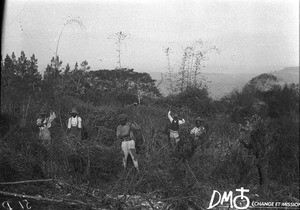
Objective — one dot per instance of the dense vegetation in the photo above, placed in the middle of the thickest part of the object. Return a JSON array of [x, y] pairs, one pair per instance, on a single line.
[[220, 163]]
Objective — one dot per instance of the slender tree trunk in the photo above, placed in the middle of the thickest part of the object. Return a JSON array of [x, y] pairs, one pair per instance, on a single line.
[[24, 109]]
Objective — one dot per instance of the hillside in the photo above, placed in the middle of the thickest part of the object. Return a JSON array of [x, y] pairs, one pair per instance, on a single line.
[[219, 84], [288, 75]]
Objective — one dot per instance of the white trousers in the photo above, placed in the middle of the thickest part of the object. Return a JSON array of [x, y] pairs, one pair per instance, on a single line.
[[127, 147]]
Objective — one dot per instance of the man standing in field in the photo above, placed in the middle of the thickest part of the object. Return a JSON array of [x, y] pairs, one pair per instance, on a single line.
[[74, 127], [261, 135], [44, 123], [174, 129], [125, 133], [198, 133]]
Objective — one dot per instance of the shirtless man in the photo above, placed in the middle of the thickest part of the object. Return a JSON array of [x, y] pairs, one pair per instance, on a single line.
[[125, 133]]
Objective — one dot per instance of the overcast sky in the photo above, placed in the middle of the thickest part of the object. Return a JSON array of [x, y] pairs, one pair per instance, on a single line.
[[248, 32]]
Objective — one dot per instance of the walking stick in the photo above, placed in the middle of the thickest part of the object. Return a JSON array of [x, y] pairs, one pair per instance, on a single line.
[[52, 102], [134, 108], [133, 115]]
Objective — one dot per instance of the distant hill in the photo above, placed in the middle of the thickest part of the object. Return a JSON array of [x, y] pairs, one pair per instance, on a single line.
[[288, 75], [263, 82], [220, 84]]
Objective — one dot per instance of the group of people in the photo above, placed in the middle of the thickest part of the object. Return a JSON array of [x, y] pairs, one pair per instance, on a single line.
[[125, 132], [126, 127], [74, 126]]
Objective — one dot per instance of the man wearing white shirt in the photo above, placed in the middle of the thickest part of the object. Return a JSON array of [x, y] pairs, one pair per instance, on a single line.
[[74, 125], [198, 132], [174, 128]]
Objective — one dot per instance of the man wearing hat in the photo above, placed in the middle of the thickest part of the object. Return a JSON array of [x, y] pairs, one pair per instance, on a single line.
[[44, 123], [74, 125], [198, 131], [174, 128], [125, 133]]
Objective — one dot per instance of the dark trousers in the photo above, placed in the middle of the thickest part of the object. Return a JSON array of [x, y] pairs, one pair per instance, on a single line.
[[74, 137], [262, 167]]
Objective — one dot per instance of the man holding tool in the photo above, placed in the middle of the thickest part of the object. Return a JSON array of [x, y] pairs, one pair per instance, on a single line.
[[125, 133], [44, 123], [174, 128]]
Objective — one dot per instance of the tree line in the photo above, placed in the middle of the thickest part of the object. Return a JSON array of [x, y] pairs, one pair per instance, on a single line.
[[101, 95]]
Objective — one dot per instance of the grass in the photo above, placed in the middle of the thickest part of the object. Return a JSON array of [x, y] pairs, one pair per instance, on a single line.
[[95, 167]]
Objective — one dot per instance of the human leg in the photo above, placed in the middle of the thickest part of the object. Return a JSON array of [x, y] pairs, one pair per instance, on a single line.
[[262, 167], [174, 138], [125, 153], [45, 137], [132, 152]]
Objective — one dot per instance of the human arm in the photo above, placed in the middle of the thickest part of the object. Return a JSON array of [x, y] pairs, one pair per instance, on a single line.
[[52, 116], [118, 133], [135, 126], [79, 125], [201, 131], [180, 122], [169, 116], [50, 119], [192, 132], [69, 123], [39, 122], [48, 123]]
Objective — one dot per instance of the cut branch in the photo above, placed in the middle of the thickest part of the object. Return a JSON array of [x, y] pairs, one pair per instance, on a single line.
[[26, 181]]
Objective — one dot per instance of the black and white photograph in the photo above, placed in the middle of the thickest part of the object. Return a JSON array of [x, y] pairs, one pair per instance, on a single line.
[[149, 105]]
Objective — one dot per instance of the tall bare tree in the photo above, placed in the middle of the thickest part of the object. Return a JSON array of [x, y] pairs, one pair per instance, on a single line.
[[193, 60], [119, 37], [68, 21], [170, 74]]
